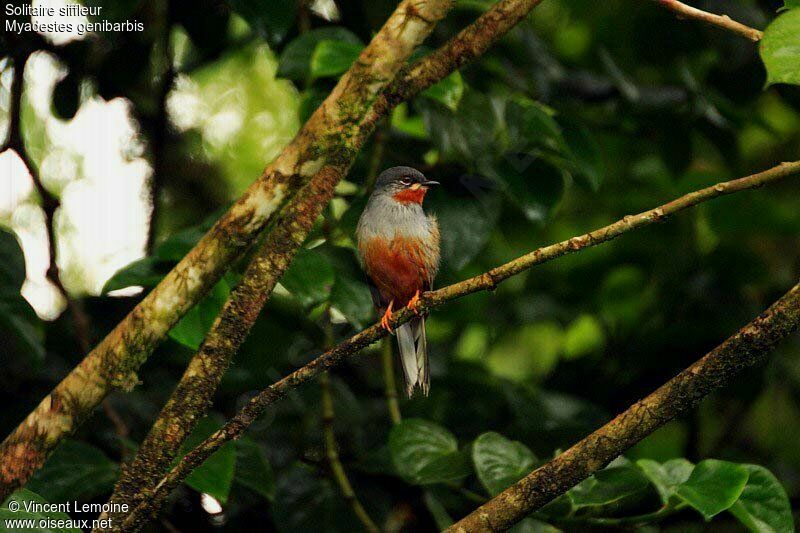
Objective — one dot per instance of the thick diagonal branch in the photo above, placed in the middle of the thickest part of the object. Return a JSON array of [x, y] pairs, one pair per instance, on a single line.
[[720, 21], [325, 144], [235, 427], [748, 347], [198, 384]]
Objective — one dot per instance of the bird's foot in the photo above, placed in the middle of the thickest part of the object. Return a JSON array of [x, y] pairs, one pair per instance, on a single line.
[[386, 317], [412, 303]]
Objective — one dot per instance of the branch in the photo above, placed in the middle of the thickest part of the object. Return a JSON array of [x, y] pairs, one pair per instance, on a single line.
[[748, 347], [332, 453], [326, 144], [721, 21], [195, 391], [236, 426]]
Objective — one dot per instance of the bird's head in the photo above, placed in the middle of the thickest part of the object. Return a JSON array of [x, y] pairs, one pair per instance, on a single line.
[[403, 184]]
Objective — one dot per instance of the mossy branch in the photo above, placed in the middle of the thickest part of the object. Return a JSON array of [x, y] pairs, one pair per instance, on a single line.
[[236, 426], [324, 145], [748, 347]]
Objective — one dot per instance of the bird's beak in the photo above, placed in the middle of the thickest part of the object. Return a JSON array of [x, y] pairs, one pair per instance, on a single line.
[[428, 183]]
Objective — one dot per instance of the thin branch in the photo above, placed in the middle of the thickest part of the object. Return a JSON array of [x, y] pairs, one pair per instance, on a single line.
[[236, 426], [720, 21], [326, 144], [332, 453], [390, 383], [748, 347], [195, 391]]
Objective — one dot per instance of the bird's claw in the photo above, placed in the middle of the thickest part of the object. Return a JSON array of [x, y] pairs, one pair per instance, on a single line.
[[385, 319], [412, 303]]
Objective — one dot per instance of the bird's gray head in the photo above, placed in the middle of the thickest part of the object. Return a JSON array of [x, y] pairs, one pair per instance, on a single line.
[[404, 184]]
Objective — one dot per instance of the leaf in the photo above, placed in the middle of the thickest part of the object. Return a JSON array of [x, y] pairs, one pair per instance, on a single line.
[[763, 505], [146, 272], [352, 298], [584, 154], [531, 125], [270, 18], [790, 4], [608, 486], [666, 477], [309, 278], [713, 486], [425, 453], [500, 462], [12, 265], [253, 469], [192, 328], [466, 226], [780, 48], [295, 60], [23, 497], [215, 475], [530, 182], [448, 91], [331, 58], [75, 471], [584, 335], [438, 512]]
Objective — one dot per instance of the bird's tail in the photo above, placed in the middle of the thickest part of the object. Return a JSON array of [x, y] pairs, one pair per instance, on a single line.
[[414, 355]]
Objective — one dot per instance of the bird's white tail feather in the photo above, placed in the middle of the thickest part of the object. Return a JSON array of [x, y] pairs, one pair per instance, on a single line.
[[413, 346]]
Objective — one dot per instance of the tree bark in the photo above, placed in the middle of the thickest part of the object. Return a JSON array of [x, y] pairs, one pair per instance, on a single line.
[[748, 347], [152, 500]]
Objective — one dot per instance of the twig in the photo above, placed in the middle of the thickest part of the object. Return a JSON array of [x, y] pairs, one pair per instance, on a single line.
[[332, 453], [748, 347], [236, 426], [387, 361], [721, 21]]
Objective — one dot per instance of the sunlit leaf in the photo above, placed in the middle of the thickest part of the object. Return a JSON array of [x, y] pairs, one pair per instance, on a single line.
[[584, 335], [192, 328], [780, 48], [666, 477], [713, 486], [331, 58]]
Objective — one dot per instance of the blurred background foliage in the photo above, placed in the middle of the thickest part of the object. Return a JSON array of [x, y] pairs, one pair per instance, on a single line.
[[586, 112]]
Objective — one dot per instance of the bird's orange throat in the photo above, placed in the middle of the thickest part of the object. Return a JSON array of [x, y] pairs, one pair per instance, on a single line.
[[411, 196]]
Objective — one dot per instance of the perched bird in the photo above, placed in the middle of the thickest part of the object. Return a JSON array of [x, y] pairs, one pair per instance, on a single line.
[[399, 248]]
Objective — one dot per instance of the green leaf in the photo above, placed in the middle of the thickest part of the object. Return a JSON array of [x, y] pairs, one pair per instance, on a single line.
[[790, 4], [780, 48], [425, 453], [25, 497], [448, 91], [192, 328], [295, 60], [253, 469], [215, 475], [500, 462], [352, 298], [531, 125], [713, 486], [666, 477], [608, 486], [438, 512], [75, 471], [12, 265], [530, 182], [583, 152], [309, 278], [270, 18], [763, 505], [331, 58], [146, 272], [584, 335]]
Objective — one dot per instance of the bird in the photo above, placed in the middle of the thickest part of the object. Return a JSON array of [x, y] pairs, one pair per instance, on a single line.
[[399, 248]]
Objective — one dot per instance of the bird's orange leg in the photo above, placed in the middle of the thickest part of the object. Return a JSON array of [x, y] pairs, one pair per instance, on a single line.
[[412, 303], [386, 316]]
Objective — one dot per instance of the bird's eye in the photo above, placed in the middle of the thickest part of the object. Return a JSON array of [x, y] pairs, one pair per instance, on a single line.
[[406, 181]]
